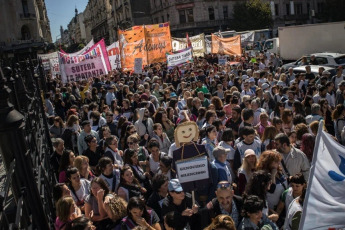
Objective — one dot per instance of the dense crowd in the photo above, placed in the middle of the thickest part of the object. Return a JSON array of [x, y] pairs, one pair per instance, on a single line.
[[114, 143]]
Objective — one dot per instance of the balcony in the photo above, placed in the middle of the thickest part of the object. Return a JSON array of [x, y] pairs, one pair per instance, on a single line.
[[183, 1], [27, 16], [201, 24]]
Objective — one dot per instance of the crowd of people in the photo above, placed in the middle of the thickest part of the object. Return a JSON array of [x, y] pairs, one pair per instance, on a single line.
[[114, 143]]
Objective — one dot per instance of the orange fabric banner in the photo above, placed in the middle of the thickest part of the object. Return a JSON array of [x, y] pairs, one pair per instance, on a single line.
[[230, 46], [149, 42], [132, 43], [158, 42]]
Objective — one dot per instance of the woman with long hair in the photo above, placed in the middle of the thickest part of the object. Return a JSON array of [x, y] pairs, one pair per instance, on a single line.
[[107, 172], [82, 164], [327, 116], [307, 145], [138, 215], [278, 110], [129, 186], [71, 133], [57, 129], [338, 117], [287, 118], [66, 161], [267, 138], [116, 209], [79, 188], [246, 170], [263, 124], [161, 137], [297, 108], [127, 110], [95, 203], [66, 211], [210, 140], [201, 117], [168, 125], [210, 117], [217, 102], [278, 124], [269, 161], [307, 102]]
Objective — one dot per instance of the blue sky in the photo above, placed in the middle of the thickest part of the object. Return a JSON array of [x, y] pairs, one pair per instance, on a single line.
[[60, 12]]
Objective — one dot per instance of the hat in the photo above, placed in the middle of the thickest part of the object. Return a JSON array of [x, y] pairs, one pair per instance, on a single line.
[[325, 72], [86, 122], [249, 152], [144, 96], [174, 185], [244, 77], [265, 86], [342, 83], [219, 150], [251, 79], [147, 79], [280, 83], [172, 94]]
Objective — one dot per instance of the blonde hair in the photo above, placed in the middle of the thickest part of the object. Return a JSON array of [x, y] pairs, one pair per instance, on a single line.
[[117, 207], [78, 162], [222, 222], [63, 208]]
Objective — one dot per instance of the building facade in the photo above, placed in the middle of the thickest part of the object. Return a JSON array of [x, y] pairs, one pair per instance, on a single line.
[[193, 16], [76, 29], [99, 22], [208, 16], [25, 26]]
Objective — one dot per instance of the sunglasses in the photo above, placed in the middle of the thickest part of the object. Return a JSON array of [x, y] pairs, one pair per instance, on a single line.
[[224, 185], [177, 192], [132, 143]]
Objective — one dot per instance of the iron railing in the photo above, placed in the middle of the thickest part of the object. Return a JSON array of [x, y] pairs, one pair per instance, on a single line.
[[25, 148]]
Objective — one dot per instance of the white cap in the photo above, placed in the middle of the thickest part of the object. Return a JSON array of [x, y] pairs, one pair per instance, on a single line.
[[251, 79], [244, 77]]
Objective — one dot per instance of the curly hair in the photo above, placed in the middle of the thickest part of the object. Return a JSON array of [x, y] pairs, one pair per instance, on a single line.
[[266, 159], [117, 207], [301, 129], [308, 143], [258, 185], [222, 222]]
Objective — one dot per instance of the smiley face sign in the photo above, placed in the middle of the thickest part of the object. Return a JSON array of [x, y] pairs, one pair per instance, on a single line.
[[186, 132]]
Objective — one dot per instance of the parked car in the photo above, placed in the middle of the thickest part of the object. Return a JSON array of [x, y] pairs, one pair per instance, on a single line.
[[324, 59], [315, 69]]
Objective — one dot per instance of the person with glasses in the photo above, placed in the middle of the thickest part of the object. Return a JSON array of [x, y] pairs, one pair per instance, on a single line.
[[226, 202], [181, 203]]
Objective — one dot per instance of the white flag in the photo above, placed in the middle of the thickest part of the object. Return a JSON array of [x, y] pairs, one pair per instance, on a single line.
[[324, 204]]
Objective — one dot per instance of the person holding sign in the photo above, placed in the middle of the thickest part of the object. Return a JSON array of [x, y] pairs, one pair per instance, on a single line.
[[181, 203]]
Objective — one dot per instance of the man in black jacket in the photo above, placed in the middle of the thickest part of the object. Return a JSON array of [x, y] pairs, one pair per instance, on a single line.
[[226, 203]]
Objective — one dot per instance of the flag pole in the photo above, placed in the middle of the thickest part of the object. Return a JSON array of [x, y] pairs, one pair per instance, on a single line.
[[312, 170]]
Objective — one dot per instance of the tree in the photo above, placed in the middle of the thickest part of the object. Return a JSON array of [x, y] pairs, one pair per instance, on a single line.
[[252, 15]]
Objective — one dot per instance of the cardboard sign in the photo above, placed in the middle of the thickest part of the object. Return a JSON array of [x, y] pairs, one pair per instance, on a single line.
[[222, 60], [138, 65], [192, 170]]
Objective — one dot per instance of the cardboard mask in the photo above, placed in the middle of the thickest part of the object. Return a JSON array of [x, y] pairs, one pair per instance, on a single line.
[[186, 132]]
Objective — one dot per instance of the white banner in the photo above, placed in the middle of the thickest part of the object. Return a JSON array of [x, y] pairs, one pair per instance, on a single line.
[[138, 65], [324, 204], [46, 59], [83, 50], [81, 67], [192, 170], [222, 60], [114, 55], [179, 58], [247, 37], [54, 66], [198, 44]]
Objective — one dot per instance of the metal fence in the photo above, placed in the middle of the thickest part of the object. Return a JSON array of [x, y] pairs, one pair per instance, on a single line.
[[25, 146]]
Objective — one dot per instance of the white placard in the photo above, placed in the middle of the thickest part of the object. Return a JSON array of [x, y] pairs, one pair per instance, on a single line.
[[138, 65], [192, 170], [180, 58], [222, 60]]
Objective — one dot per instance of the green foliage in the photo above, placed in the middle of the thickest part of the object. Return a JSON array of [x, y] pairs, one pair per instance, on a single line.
[[333, 11], [252, 15]]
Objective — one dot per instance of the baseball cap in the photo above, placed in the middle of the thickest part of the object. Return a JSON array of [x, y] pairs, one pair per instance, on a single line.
[[174, 185], [244, 77], [249, 152], [342, 83], [172, 94], [85, 123], [144, 96], [251, 79], [265, 86]]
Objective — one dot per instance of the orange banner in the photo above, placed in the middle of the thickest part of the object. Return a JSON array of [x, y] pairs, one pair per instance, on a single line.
[[132, 43], [151, 43], [158, 42], [230, 46]]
